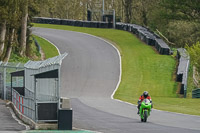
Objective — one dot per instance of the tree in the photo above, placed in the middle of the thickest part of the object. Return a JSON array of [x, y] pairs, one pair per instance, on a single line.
[[10, 45], [182, 10], [12, 25], [3, 21], [177, 20], [183, 17], [128, 10], [24, 28], [2, 37]]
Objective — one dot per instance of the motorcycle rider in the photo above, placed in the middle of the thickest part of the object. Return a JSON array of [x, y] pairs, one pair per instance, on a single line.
[[145, 95]]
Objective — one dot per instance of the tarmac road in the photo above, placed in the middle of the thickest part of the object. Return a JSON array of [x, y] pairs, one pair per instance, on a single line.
[[90, 74], [7, 123]]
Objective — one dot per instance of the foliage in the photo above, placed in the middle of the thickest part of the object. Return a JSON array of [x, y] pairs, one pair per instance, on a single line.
[[127, 10], [194, 52], [182, 17], [32, 50], [178, 20], [190, 86], [17, 58], [183, 32], [11, 17], [182, 10], [69, 9]]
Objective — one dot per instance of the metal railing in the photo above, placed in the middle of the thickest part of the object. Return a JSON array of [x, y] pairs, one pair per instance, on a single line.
[[24, 105], [183, 69], [5, 70]]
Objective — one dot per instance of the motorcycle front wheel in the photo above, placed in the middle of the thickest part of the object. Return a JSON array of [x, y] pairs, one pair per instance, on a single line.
[[145, 116]]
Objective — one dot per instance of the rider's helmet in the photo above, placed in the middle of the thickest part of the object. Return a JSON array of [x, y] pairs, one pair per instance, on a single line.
[[145, 94]]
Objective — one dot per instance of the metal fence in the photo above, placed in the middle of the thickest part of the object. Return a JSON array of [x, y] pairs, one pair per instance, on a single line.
[[47, 97], [5, 78], [183, 69], [38, 98], [25, 105]]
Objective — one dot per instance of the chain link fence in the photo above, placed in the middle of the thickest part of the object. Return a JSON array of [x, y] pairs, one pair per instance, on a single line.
[[5, 78]]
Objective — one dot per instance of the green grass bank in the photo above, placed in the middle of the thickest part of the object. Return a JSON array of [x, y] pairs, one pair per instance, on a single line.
[[48, 49], [142, 69]]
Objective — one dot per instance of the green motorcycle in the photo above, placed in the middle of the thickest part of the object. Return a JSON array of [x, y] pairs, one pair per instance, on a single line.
[[145, 110]]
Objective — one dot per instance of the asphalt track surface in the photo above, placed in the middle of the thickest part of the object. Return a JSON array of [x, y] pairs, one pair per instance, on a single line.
[[90, 74], [7, 123]]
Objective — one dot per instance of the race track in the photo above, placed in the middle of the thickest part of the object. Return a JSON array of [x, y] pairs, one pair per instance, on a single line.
[[90, 74]]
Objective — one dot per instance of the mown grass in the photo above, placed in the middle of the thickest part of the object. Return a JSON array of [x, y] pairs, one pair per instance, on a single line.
[[48, 49], [142, 69]]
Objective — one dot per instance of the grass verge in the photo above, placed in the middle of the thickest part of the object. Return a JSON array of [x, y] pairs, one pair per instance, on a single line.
[[142, 69], [48, 49]]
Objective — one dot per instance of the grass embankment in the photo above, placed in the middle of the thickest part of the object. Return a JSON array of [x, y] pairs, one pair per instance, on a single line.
[[142, 69], [48, 49]]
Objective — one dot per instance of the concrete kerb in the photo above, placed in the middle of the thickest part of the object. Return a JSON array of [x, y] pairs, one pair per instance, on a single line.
[[31, 123]]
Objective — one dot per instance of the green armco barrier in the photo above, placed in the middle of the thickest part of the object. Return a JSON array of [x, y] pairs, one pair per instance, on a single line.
[[196, 93]]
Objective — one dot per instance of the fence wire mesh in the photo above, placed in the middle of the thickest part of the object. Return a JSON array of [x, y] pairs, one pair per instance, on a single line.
[[5, 78]]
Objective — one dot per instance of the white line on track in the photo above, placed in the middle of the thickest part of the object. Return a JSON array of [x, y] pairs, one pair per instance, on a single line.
[[85, 130], [119, 61]]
